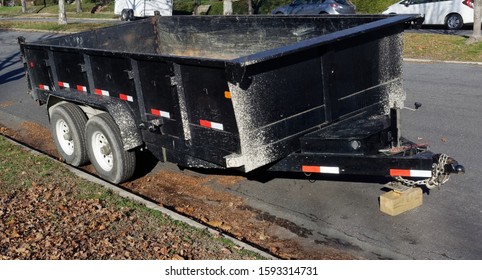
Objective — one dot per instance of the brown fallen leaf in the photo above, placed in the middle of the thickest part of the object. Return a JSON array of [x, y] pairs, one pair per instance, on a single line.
[[215, 223], [176, 257]]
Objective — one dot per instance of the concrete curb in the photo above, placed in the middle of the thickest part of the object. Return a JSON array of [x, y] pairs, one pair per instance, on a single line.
[[441, 61], [173, 215]]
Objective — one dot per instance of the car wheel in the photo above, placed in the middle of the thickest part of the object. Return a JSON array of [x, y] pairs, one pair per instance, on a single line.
[[279, 13], [67, 122], [106, 151], [130, 15], [454, 22]]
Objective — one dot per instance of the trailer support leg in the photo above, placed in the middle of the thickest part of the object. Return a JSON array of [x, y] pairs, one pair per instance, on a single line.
[[395, 124]]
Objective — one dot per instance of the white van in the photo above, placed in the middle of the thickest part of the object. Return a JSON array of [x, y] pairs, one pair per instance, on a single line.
[[451, 13], [130, 9]]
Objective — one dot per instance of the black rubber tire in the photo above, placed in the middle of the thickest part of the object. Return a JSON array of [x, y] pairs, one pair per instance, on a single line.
[[68, 120], [124, 16], [130, 15], [454, 22], [111, 161]]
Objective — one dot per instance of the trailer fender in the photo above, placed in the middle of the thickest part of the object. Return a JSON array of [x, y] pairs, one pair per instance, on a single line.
[[93, 105]]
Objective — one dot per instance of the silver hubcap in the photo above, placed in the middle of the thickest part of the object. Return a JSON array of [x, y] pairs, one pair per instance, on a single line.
[[64, 137], [453, 22], [102, 151]]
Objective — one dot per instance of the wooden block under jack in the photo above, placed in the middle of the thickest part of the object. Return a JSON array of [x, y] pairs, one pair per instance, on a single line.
[[396, 202]]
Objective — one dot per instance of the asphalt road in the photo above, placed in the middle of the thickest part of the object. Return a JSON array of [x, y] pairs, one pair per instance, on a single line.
[[447, 226]]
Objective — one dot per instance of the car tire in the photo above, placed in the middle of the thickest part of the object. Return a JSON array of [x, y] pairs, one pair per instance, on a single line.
[[454, 22], [67, 123], [106, 151], [130, 15]]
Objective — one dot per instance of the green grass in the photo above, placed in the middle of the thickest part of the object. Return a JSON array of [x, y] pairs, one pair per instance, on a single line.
[[10, 11], [372, 6], [51, 26], [53, 11], [441, 47]]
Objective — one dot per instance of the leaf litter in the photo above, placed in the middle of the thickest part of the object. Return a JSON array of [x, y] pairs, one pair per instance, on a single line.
[[204, 198]]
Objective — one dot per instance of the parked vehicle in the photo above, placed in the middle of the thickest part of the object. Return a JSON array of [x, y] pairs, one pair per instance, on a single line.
[[130, 9], [451, 13], [315, 7], [308, 94]]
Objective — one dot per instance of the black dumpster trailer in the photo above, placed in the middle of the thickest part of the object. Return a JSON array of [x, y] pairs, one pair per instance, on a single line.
[[306, 94]]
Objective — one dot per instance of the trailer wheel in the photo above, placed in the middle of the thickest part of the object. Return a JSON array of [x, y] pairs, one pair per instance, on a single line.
[[105, 150], [67, 122]]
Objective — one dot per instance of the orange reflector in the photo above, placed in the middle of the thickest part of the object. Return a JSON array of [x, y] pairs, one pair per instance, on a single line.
[[310, 169], [205, 123], [227, 94], [399, 172]]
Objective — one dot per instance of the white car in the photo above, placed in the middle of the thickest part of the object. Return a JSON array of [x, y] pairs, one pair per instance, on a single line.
[[451, 13], [130, 9]]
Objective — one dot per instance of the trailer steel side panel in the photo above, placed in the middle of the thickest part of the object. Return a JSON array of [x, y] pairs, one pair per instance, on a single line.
[[226, 92]]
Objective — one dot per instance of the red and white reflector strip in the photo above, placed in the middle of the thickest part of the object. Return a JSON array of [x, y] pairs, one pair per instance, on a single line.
[[213, 125], [410, 173], [44, 87], [126, 97], [81, 88], [320, 169], [64, 85], [101, 92], [160, 113]]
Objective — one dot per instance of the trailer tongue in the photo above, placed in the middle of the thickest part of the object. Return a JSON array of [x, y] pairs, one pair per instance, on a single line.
[[294, 94]]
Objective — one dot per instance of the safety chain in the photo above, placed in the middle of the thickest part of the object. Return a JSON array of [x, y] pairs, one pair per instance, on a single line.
[[439, 176]]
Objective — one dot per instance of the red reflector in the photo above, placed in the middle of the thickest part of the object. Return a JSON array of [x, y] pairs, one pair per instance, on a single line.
[[310, 169], [399, 172], [31, 64], [205, 123]]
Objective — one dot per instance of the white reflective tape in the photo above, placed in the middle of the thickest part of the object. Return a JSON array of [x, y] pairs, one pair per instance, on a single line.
[[329, 170], [165, 114], [421, 173], [217, 126], [44, 87]]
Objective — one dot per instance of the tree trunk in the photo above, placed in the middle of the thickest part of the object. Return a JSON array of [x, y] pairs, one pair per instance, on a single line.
[[62, 13], [78, 6], [227, 7], [477, 36], [250, 7], [24, 6]]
